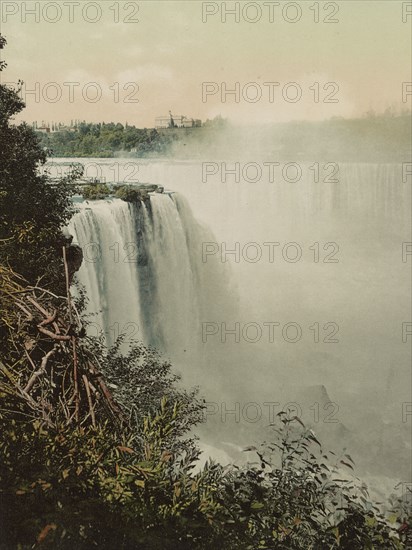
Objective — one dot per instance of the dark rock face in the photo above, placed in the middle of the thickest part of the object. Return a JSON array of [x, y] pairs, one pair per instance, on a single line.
[[74, 256]]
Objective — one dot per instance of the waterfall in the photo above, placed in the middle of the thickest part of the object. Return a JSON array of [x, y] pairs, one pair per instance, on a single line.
[[143, 270], [105, 230]]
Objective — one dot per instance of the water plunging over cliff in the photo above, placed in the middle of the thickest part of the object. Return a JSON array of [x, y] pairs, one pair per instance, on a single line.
[[143, 270]]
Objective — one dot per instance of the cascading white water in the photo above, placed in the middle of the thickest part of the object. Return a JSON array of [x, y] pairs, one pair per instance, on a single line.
[[105, 230], [173, 308], [142, 270]]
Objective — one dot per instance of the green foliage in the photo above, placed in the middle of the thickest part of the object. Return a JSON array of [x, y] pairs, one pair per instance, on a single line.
[[3, 42], [297, 496], [95, 486], [140, 380], [131, 194], [96, 191], [103, 140]]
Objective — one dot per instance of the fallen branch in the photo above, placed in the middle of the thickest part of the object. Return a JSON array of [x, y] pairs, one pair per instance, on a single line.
[[40, 371], [76, 382], [25, 310], [73, 338], [115, 408], [29, 400], [54, 380], [89, 399], [38, 306], [49, 320], [61, 337], [44, 311]]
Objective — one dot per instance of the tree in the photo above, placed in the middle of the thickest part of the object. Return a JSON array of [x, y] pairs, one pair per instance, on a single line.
[[32, 212]]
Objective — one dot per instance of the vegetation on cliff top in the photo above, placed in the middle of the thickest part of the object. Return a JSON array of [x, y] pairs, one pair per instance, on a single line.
[[128, 193]]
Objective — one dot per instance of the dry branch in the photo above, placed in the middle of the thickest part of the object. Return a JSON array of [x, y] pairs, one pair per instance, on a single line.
[[61, 337], [56, 379], [41, 370], [89, 399]]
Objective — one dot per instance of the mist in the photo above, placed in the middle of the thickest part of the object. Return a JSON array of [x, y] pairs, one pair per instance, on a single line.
[[302, 270]]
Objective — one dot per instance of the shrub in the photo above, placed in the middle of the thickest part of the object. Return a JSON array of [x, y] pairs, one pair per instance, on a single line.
[[131, 194], [96, 191]]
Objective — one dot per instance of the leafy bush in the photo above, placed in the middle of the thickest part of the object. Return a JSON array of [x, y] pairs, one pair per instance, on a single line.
[[96, 191], [131, 194], [297, 496], [97, 487]]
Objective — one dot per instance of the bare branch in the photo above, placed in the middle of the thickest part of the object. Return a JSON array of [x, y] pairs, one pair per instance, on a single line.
[[61, 337], [40, 371]]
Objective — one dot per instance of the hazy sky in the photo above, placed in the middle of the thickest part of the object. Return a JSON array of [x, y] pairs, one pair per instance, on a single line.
[[168, 49]]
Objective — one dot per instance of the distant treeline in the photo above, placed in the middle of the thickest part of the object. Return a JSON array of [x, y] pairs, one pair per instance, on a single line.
[[385, 137], [102, 140], [87, 139]]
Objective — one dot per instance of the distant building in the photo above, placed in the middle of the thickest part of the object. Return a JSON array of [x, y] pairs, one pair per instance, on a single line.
[[47, 128], [66, 129], [176, 121]]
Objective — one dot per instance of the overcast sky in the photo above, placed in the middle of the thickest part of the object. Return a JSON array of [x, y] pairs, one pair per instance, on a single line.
[[168, 49]]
